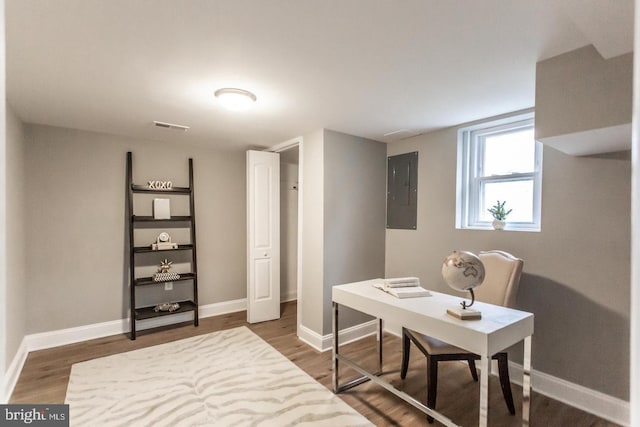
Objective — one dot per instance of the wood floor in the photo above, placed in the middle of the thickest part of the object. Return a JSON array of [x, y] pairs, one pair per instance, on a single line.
[[46, 373]]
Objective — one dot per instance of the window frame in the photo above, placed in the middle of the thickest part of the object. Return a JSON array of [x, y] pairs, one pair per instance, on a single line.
[[470, 179]]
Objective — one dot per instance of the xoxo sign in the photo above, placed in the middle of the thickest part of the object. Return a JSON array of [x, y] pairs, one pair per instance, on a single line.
[[160, 185]]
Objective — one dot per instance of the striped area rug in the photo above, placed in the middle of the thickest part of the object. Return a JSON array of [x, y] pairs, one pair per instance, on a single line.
[[226, 378]]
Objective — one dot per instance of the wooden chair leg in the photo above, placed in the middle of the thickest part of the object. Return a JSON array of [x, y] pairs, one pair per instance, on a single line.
[[432, 384], [472, 368], [505, 383], [406, 346]]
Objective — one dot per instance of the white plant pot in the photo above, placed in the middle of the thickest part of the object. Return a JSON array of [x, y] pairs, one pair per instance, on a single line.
[[498, 224]]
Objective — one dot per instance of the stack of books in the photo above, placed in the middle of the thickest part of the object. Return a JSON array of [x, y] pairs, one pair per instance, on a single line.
[[403, 287]]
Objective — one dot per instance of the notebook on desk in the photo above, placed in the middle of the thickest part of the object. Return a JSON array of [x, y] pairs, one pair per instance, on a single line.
[[406, 291]]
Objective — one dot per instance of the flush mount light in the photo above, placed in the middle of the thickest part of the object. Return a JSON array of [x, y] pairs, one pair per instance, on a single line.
[[235, 99]]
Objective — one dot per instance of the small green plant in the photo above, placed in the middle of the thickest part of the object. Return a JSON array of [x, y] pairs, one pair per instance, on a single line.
[[498, 211]]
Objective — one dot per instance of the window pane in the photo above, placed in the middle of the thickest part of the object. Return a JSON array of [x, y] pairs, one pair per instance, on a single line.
[[519, 197], [509, 152]]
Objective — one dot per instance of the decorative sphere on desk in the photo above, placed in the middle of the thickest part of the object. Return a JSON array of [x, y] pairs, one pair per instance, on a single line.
[[463, 270]]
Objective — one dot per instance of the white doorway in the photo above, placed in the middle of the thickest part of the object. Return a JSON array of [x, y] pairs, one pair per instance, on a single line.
[[289, 185], [296, 143]]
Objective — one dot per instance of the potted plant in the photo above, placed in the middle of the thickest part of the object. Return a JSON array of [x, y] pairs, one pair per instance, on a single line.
[[499, 214]]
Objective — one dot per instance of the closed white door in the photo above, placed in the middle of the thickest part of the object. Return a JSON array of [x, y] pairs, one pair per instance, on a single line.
[[263, 236]]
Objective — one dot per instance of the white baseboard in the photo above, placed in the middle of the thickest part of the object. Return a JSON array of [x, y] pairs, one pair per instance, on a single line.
[[345, 336], [310, 337], [594, 402], [225, 307], [289, 296], [44, 340], [13, 372], [60, 337]]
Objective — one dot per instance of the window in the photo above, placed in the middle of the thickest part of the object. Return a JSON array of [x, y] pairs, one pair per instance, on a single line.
[[499, 160]]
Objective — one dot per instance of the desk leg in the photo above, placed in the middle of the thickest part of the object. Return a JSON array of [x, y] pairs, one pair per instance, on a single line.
[[485, 366], [379, 346], [334, 329], [526, 382]]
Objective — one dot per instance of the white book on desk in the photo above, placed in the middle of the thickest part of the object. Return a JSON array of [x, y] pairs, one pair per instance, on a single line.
[[401, 282], [404, 292]]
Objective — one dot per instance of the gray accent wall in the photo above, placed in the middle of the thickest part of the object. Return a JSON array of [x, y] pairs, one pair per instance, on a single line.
[[4, 356], [77, 236], [16, 298], [576, 270], [312, 184], [354, 216], [580, 90], [344, 220]]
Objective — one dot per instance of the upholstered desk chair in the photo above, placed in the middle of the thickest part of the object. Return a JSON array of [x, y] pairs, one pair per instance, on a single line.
[[500, 286]]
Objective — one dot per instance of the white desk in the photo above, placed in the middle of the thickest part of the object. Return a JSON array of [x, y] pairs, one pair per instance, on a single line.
[[499, 328]]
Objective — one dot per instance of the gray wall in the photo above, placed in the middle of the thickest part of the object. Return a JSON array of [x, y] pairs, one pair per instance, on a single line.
[[576, 270], [344, 206], [580, 90], [16, 300], [4, 357], [312, 184], [634, 404], [354, 216], [77, 236]]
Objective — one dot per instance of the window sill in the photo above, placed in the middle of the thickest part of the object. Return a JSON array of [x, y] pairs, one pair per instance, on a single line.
[[506, 228]]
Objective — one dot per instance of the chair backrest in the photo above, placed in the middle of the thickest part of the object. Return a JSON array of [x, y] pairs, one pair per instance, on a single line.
[[501, 280]]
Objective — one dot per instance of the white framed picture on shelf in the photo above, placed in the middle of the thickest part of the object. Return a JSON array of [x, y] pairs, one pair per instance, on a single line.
[[161, 208]]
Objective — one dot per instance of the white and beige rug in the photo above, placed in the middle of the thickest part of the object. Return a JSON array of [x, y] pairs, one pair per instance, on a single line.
[[226, 378]]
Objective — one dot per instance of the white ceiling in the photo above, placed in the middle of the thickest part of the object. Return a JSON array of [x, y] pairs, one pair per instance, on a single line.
[[363, 67]]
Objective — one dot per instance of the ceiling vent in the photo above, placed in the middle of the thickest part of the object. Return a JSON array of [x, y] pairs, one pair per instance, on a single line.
[[400, 134], [171, 126]]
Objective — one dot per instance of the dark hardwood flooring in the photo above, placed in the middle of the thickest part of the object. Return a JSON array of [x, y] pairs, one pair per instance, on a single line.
[[46, 373]]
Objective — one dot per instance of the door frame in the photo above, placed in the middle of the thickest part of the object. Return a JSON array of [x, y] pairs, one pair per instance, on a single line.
[[283, 146]]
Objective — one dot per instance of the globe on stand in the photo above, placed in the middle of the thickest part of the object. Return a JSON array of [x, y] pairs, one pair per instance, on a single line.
[[463, 271]]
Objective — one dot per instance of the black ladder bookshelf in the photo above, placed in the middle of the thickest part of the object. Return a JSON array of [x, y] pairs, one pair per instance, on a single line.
[[149, 312]]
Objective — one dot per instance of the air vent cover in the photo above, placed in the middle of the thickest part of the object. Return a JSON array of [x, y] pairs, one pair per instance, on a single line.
[[171, 126], [400, 134]]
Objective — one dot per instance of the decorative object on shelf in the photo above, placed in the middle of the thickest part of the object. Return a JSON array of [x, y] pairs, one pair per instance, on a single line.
[[499, 215], [161, 209], [163, 242], [165, 266], [167, 306], [166, 277], [164, 274], [159, 185], [463, 271]]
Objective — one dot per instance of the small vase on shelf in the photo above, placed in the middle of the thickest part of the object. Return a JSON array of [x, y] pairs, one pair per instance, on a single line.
[[498, 224], [499, 214]]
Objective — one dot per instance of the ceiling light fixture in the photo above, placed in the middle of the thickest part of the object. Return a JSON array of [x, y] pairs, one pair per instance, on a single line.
[[235, 99]]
